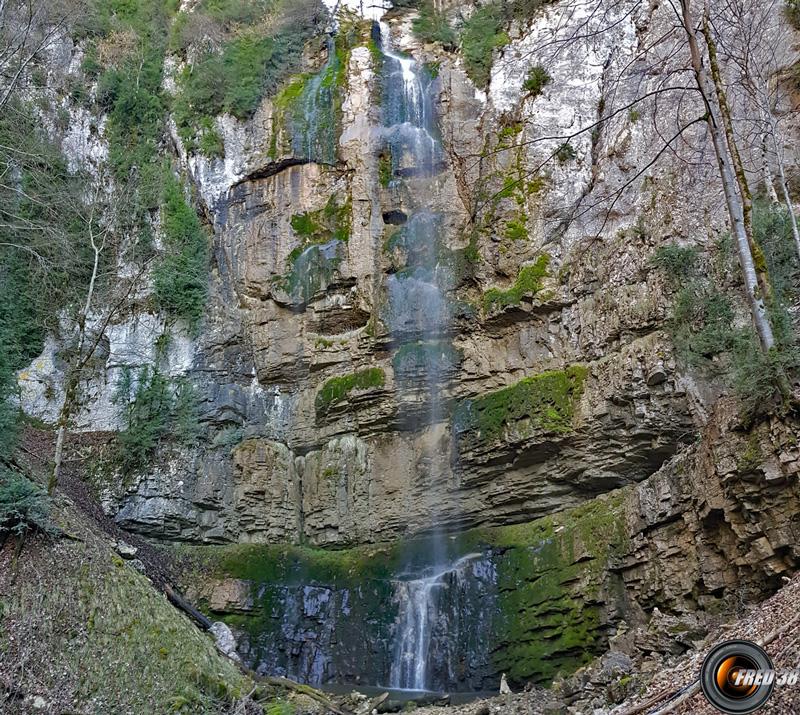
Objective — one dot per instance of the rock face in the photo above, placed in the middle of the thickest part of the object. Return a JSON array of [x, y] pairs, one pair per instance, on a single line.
[[561, 388], [303, 250], [650, 567]]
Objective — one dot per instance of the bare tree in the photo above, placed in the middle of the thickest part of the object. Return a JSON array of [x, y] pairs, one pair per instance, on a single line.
[[757, 39], [690, 47]]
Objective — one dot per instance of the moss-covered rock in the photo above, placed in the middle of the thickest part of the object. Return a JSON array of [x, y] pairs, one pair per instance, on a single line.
[[554, 587], [313, 263], [541, 402], [528, 283], [337, 389]]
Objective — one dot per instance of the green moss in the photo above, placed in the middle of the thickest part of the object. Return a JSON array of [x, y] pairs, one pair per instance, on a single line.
[[545, 401], [551, 588], [333, 221], [337, 389], [385, 173], [119, 646], [553, 583], [752, 457], [517, 230], [308, 110], [305, 225], [528, 282], [311, 268]]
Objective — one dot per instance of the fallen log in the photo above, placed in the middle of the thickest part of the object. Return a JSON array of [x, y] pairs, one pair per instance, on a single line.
[[181, 603], [307, 690]]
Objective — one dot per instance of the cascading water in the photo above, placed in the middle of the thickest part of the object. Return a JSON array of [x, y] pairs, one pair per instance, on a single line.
[[419, 318], [428, 627], [420, 609]]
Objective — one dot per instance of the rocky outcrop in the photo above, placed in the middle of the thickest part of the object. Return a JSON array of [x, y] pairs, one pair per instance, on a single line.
[[651, 567], [304, 244]]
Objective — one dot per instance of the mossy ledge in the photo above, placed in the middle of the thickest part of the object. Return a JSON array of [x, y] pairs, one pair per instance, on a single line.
[[545, 401], [528, 282], [337, 389]]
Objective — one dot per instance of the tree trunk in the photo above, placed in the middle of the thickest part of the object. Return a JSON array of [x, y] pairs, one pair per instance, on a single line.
[[733, 201], [766, 173], [736, 159], [787, 199], [76, 366]]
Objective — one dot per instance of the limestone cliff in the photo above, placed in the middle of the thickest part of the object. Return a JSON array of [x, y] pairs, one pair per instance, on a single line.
[[597, 472]]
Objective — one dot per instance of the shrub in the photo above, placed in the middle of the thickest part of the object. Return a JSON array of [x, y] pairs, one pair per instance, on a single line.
[[524, 10], [24, 506], [772, 232], [186, 413], [677, 262], [792, 9], [153, 410], [432, 26], [146, 408], [758, 378], [249, 66], [701, 322], [180, 280], [228, 437], [565, 152], [211, 143], [538, 78], [481, 35]]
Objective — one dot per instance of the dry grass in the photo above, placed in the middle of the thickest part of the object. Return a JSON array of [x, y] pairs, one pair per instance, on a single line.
[[86, 632]]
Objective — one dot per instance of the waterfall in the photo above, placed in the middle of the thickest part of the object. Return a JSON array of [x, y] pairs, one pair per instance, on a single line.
[[419, 600], [419, 318]]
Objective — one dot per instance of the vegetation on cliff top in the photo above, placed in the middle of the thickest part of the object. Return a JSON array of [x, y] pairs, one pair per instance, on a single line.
[[260, 45], [483, 31]]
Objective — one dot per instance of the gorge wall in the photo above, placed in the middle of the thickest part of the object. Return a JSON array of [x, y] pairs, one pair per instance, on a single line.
[[586, 476]]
